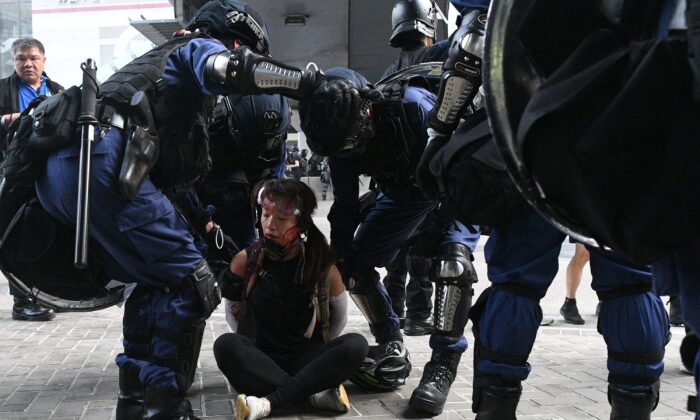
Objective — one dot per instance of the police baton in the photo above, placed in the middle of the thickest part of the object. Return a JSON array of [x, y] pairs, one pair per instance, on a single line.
[[87, 123]]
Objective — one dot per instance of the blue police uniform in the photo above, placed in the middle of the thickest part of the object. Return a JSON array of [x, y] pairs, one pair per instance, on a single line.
[[144, 241], [678, 274], [387, 226], [522, 258]]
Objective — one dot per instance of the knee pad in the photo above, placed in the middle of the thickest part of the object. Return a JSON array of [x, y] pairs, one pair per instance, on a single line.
[[453, 275], [188, 343]]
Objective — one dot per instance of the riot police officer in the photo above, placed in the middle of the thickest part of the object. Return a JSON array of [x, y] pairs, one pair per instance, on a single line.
[[413, 32], [363, 138], [522, 254], [138, 236]]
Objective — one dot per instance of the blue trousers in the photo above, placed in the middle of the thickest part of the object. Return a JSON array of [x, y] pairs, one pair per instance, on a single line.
[[522, 259], [378, 241], [143, 241], [679, 274]]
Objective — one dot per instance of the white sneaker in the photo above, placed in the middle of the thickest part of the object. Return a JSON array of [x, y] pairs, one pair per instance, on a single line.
[[335, 399], [251, 408]]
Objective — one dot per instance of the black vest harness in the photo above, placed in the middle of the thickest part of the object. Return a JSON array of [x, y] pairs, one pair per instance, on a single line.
[[181, 120], [395, 149]]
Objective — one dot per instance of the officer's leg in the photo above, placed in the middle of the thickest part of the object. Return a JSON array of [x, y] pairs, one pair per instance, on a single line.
[[635, 327], [453, 275], [377, 242], [687, 263], [395, 283], [419, 295], [143, 241], [522, 258]]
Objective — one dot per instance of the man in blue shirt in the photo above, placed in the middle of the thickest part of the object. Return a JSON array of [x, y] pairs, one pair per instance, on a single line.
[[16, 91]]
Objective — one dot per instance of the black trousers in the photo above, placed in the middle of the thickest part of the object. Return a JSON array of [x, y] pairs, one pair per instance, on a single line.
[[288, 379], [417, 295]]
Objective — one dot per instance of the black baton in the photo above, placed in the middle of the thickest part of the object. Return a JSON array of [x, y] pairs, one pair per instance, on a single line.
[[87, 123]]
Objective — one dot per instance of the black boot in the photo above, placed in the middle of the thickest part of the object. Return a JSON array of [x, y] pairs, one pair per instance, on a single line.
[[161, 404], [418, 326], [570, 312], [629, 405], [496, 402], [675, 314], [434, 387], [130, 400], [25, 309]]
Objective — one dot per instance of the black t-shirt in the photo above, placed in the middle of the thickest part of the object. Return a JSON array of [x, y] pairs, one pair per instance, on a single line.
[[279, 310]]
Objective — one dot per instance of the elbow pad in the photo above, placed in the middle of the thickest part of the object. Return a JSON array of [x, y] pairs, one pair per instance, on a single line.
[[461, 77], [246, 72]]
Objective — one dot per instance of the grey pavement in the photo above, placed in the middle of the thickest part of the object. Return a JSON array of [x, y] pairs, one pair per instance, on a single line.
[[64, 369]]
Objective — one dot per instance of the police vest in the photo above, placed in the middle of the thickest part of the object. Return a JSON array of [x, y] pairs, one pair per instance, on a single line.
[[181, 122], [394, 151]]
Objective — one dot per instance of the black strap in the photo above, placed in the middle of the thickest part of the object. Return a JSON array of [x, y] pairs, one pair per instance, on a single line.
[[137, 338], [693, 404], [178, 366], [483, 353], [519, 290], [638, 358], [624, 291], [630, 379]]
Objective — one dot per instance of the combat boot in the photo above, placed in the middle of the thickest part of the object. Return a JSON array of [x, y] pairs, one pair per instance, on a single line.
[[130, 400], [161, 404], [631, 405], [496, 402], [434, 387]]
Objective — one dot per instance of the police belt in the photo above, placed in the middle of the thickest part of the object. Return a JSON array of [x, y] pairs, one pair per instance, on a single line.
[[108, 115]]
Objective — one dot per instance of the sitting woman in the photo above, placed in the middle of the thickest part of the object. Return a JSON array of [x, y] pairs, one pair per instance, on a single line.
[[291, 305]]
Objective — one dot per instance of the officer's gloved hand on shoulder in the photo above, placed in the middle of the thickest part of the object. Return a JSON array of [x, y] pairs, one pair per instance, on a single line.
[[426, 180]]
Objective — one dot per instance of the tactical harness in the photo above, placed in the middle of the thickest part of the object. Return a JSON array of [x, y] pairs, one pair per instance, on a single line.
[[394, 151], [181, 122]]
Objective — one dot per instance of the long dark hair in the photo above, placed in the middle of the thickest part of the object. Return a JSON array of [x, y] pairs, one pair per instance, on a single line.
[[317, 254]]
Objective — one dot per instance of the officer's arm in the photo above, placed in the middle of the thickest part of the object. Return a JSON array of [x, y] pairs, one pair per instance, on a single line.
[[461, 77], [215, 70], [246, 72], [345, 213]]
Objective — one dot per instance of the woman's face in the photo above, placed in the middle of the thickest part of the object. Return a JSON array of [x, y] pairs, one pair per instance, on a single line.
[[278, 222]]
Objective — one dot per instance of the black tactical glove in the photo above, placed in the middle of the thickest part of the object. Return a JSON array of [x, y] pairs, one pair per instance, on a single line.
[[427, 182]]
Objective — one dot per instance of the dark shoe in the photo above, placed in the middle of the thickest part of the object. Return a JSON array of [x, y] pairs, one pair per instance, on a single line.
[[130, 400], [497, 402], [27, 310], [416, 327], [570, 312], [434, 387], [163, 404], [632, 405], [674, 312], [689, 350]]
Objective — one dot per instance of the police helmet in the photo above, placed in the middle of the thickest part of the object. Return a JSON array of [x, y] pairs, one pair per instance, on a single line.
[[326, 132], [233, 18], [411, 17], [259, 123], [386, 372]]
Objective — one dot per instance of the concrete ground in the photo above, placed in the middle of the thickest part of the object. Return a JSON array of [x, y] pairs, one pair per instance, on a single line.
[[64, 369]]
